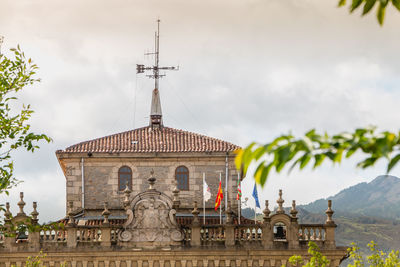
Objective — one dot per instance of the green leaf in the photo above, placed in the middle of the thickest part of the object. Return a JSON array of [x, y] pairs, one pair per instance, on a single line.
[[319, 158], [393, 162], [341, 3], [381, 13], [368, 6], [304, 160], [355, 4], [396, 4]]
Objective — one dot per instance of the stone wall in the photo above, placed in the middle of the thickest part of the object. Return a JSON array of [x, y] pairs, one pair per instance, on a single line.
[[163, 258], [101, 178]]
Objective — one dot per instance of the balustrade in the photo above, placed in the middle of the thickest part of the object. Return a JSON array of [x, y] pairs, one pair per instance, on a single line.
[[248, 232], [89, 234], [312, 232], [53, 235], [212, 233]]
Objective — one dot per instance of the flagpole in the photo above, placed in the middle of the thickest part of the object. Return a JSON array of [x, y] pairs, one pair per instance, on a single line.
[[255, 211], [220, 206], [239, 200], [255, 206], [226, 181], [204, 200]]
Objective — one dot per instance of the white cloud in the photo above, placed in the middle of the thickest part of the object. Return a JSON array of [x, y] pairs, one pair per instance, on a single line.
[[250, 70]]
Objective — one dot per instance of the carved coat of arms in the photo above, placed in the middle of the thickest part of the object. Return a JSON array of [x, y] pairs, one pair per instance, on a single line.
[[151, 220]]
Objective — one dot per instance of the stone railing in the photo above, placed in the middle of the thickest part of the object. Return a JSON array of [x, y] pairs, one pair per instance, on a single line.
[[312, 232], [89, 234], [53, 235], [212, 234], [248, 232], [277, 231]]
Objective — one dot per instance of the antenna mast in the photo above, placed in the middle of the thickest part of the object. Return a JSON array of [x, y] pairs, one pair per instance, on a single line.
[[155, 113]]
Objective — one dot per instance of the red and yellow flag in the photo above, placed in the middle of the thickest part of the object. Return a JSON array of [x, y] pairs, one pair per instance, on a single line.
[[220, 196]]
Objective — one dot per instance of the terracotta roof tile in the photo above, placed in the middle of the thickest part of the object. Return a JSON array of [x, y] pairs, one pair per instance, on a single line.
[[147, 139]]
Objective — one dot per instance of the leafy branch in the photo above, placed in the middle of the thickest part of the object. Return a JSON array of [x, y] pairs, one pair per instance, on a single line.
[[314, 148], [16, 73], [368, 5]]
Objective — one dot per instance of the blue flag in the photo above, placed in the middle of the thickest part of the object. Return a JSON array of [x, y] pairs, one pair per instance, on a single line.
[[255, 195]]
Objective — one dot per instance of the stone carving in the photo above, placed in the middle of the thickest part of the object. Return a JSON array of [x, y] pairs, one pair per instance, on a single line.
[[151, 219]]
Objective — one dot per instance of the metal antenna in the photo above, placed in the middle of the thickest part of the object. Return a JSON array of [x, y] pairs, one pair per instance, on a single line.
[[156, 68], [1, 42], [155, 110]]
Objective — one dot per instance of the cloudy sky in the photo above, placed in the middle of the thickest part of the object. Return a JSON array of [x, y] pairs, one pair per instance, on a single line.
[[249, 71]]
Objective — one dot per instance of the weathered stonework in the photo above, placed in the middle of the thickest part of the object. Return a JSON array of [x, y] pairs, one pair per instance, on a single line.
[[101, 177]]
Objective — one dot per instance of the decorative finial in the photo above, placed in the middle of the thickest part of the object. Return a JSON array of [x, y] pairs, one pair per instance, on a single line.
[[71, 219], [127, 194], [266, 212], [21, 205], [34, 213], [195, 213], [7, 213], [293, 211], [152, 180], [175, 193], [105, 214], [329, 212], [280, 203]]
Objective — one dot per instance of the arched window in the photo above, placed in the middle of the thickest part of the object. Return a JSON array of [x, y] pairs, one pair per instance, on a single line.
[[124, 178], [280, 231], [182, 177]]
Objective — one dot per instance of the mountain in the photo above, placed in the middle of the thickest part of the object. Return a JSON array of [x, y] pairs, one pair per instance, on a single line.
[[379, 198]]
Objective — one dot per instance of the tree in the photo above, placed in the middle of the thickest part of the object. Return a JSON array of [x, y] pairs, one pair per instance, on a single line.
[[313, 148], [377, 258], [16, 73], [368, 6]]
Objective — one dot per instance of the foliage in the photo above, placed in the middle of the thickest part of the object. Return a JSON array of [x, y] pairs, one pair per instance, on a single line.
[[376, 259], [316, 260], [368, 6], [315, 148], [16, 73]]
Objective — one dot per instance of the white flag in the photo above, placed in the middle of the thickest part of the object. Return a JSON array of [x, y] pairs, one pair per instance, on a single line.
[[206, 191]]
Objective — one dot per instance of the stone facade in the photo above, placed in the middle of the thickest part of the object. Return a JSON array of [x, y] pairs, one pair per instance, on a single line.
[[101, 177], [151, 237]]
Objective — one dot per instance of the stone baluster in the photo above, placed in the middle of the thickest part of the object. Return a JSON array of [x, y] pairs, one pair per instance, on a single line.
[[71, 227], [293, 237], [105, 227], [267, 231], [34, 237], [229, 227], [329, 227], [196, 228]]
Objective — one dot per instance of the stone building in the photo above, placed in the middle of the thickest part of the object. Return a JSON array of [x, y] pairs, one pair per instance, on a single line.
[[100, 169], [134, 199]]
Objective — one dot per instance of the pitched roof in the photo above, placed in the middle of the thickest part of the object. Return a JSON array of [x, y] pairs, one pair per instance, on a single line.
[[146, 139]]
